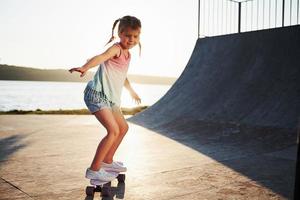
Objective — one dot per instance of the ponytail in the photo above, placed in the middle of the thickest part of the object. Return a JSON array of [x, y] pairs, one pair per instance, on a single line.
[[112, 32]]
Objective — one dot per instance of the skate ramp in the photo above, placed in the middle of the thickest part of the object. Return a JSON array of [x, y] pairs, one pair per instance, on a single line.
[[249, 78], [238, 102]]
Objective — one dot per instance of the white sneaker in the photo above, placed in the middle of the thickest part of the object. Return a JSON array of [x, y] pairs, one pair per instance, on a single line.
[[119, 163], [99, 175], [114, 167]]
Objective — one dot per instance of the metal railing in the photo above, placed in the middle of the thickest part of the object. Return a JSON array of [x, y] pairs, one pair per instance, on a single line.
[[220, 17]]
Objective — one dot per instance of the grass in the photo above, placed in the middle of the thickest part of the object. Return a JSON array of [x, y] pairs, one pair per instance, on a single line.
[[125, 111]]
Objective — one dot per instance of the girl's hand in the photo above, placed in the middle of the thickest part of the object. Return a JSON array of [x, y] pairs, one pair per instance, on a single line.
[[135, 97], [78, 69]]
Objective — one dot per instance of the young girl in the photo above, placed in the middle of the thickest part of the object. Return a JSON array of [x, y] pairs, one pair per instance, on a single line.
[[102, 95]]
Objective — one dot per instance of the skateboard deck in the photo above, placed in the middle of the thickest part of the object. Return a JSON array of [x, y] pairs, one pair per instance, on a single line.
[[103, 186]]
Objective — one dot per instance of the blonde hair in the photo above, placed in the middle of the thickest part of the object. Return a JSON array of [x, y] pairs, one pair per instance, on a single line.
[[126, 22]]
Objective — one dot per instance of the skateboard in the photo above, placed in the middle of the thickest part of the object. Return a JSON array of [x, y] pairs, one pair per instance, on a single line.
[[102, 186]]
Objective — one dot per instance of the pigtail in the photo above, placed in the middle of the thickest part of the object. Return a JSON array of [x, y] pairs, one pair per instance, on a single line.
[[140, 47], [112, 32]]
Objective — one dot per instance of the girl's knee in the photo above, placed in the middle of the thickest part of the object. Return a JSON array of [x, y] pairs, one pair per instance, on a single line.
[[113, 132], [124, 130]]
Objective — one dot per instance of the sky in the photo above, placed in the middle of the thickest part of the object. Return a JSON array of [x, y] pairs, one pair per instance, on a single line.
[[52, 34], [60, 34]]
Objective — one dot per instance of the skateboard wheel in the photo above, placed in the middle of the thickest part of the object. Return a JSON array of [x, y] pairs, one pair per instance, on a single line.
[[90, 191], [105, 191], [121, 178]]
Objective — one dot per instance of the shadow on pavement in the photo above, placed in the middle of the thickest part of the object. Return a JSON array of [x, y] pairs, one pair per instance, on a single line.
[[9, 146]]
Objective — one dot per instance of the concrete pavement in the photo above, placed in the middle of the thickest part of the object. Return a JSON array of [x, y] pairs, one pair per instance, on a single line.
[[45, 157]]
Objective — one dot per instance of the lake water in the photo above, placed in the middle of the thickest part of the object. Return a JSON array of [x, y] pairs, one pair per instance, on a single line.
[[32, 95]]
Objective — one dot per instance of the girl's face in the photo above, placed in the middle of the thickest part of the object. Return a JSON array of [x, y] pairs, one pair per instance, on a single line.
[[129, 37]]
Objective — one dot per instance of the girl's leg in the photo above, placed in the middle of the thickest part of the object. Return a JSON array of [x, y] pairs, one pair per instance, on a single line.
[[123, 128], [107, 119]]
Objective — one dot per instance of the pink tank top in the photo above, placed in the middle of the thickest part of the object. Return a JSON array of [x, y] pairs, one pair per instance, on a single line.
[[109, 79]]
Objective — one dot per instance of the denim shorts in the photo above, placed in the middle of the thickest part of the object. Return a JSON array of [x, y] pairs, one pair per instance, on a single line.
[[96, 106], [95, 102]]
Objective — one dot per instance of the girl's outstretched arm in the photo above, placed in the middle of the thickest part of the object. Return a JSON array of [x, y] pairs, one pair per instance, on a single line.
[[133, 94], [97, 60]]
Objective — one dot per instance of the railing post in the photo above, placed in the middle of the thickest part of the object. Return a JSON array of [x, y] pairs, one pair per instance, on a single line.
[[198, 18], [239, 22], [297, 11], [283, 3]]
